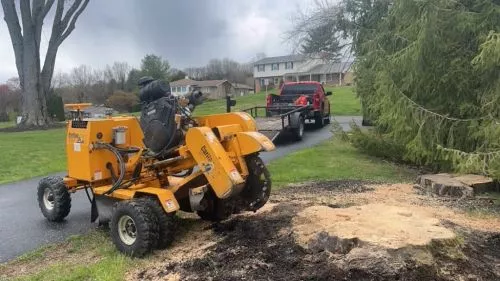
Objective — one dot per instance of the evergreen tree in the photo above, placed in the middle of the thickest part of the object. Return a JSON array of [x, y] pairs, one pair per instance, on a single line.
[[428, 73]]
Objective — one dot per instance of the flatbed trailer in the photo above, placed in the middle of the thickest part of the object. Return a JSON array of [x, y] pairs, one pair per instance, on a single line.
[[274, 121]]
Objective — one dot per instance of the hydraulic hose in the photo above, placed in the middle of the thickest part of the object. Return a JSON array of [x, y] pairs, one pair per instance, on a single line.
[[121, 163]]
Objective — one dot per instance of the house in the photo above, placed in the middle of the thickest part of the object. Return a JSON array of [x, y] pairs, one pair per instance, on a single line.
[[94, 111], [242, 89], [212, 89], [271, 71]]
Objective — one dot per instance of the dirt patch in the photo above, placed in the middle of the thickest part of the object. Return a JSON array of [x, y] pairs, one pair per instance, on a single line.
[[39, 260], [268, 246]]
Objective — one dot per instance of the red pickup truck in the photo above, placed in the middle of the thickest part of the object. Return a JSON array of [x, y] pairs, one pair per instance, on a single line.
[[303, 93]]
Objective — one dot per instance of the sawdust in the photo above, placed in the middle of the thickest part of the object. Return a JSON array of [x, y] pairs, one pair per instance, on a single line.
[[388, 226], [404, 236], [194, 237], [355, 193], [404, 195]]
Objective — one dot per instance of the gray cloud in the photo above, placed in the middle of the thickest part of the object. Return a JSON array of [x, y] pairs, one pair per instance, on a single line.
[[186, 33]]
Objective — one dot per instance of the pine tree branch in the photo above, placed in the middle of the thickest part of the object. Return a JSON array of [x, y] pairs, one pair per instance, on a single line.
[[425, 110]]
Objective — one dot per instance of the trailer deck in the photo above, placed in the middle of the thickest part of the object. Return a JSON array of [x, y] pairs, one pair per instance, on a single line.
[[272, 121]]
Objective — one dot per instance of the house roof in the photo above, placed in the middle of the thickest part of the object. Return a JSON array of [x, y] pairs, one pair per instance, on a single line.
[[323, 68], [241, 86], [279, 59], [190, 82], [336, 67]]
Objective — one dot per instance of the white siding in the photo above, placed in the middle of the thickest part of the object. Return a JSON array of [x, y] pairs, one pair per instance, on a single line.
[[180, 90], [268, 72]]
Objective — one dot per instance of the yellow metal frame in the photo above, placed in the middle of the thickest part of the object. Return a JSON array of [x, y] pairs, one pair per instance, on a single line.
[[219, 156]]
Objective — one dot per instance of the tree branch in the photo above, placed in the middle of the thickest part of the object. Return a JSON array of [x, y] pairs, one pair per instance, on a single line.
[[71, 26], [36, 11], [47, 8], [50, 57], [61, 29], [12, 20], [26, 16], [70, 13]]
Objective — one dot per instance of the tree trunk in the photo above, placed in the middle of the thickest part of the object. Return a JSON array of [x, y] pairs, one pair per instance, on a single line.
[[34, 110], [33, 97], [35, 84]]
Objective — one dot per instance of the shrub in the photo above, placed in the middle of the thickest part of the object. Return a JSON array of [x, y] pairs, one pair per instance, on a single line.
[[122, 101]]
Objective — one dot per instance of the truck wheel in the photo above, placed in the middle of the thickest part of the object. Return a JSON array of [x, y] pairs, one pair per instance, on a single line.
[[319, 121], [298, 133], [134, 228], [53, 198], [166, 222], [328, 119]]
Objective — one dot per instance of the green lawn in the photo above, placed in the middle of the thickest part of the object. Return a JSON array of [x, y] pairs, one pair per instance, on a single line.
[[7, 124], [82, 257], [344, 101], [30, 154], [333, 160], [219, 106]]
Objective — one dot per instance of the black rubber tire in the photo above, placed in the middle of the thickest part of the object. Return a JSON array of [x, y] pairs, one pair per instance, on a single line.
[[298, 133], [60, 197], [146, 225], [319, 121], [328, 119], [366, 122], [166, 223]]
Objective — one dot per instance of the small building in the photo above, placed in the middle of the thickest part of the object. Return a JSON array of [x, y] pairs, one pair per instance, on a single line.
[[242, 89], [271, 71], [212, 89]]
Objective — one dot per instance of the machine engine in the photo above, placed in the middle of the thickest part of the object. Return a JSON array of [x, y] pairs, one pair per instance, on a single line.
[[158, 115], [159, 126]]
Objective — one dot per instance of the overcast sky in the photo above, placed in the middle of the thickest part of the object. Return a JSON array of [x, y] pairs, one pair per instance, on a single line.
[[186, 33]]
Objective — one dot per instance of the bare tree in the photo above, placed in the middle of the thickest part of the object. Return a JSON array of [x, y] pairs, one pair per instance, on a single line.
[[35, 80], [119, 72]]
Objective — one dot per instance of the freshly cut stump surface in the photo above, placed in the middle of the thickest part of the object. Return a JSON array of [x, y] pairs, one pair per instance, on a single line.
[[382, 225]]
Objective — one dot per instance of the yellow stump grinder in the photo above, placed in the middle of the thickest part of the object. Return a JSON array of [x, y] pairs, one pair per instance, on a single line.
[[138, 173]]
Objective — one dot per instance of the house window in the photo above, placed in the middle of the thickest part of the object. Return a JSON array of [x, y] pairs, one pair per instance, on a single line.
[[275, 66], [172, 89], [184, 89], [260, 68], [276, 81], [289, 65]]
